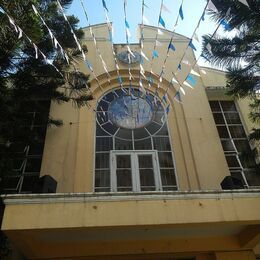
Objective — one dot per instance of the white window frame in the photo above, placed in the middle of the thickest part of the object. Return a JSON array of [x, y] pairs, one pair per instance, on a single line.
[[135, 168]]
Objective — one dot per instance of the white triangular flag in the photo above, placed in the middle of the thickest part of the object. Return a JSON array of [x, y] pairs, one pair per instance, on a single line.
[[196, 37], [20, 33], [34, 9], [117, 67], [129, 50], [128, 33], [164, 8], [143, 55], [160, 79], [194, 73], [244, 2], [182, 90], [212, 7], [160, 32], [55, 43], [174, 80], [208, 47], [187, 84], [36, 51], [204, 72], [145, 20], [186, 62], [157, 43], [12, 22]]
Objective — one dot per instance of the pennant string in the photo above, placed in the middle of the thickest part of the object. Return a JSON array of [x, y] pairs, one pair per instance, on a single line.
[[54, 39], [110, 33], [20, 31], [95, 42], [189, 77], [78, 44]]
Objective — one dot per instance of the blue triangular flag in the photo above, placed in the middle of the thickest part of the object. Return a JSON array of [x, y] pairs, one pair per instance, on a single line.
[[161, 21], [164, 98], [181, 13], [191, 80], [146, 5], [167, 109], [155, 54], [203, 16], [127, 24], [226, 25], [104, 4], [110, 36], [171, 46], [177, 96], [179, 66], [120, 81], [203, 56], [192, 45], [89, 65], [150, 80]]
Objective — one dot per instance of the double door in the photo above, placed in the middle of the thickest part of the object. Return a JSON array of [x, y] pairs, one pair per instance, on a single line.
[[135, 171]]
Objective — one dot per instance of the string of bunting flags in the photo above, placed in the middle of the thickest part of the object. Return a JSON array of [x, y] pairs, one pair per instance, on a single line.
[[190, 81], [95, 42], [110, 33], [21, 33], [87, 62]]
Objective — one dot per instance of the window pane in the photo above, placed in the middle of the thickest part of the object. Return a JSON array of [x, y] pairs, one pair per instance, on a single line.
[[238, 175], [100, 131], [124, 134], [168, 177], [145, 161], [219, 119], [28, 183], [104, 143], [102, 105], [124, 180], [145, 144], [110, 128], [102, 178], [102, 117], [232, 118], [214, 106], [232, 161], [102, 160], [123, 144], [162, 143], [33, 165], [140, 133], [223, 132], [228, 146], [153, 127], [147, 182], [123, 161], [228, 105], [242, 146], [165, 160], [247, 160], [163, 130], [237, 131], [159, 117], [252, 177]]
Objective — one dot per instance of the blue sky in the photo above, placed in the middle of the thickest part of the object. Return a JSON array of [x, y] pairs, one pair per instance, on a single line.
[[192, 10]]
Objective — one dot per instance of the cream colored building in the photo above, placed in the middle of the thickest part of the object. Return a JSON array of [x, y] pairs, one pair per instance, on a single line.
[[139, 176]]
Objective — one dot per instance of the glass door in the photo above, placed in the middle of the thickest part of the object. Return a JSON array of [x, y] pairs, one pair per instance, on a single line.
[[135, 171]]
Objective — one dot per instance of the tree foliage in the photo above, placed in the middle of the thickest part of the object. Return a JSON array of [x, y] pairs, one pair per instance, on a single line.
[[239, 51], [27, 83]]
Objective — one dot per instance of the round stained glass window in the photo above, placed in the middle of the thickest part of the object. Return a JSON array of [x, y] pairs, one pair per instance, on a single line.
[[130, 112]]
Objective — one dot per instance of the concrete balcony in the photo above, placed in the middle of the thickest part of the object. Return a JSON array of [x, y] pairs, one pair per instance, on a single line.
[[126, 225]]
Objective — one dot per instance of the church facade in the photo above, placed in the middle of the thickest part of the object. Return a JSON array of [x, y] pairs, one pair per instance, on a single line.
[[150, 171]]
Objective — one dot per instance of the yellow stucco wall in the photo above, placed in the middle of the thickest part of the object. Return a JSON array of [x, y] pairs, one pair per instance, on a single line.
[[200, 162]]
